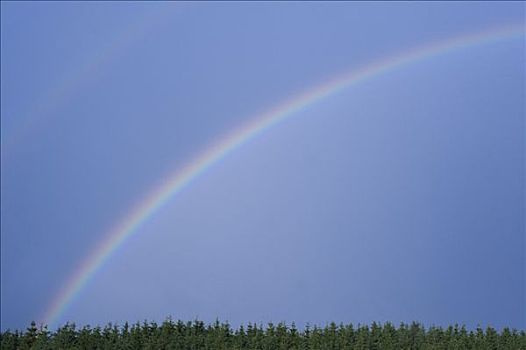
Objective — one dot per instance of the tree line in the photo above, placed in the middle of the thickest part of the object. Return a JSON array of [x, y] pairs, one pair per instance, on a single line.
[[196, 335]]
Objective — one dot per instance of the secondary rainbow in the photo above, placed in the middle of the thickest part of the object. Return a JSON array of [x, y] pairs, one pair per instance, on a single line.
[[181, 178]]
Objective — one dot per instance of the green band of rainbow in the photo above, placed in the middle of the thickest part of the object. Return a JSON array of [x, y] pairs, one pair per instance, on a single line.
[[183, 177]]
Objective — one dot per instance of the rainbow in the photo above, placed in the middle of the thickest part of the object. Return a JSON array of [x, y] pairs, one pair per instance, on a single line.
[[42, 109], [181, 178]]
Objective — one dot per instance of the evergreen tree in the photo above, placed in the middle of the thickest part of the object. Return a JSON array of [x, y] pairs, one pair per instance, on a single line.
[[217, 336]]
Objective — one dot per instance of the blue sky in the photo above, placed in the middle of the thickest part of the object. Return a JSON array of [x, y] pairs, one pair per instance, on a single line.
[[398, 199]]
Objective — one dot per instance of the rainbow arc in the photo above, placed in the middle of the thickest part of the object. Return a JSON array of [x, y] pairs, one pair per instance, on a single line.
[[183, 177]]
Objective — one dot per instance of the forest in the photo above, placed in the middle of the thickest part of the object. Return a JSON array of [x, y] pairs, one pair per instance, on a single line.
[[197, 335]]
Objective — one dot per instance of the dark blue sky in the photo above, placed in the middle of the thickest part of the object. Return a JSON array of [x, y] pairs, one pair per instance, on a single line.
[[399, 199]]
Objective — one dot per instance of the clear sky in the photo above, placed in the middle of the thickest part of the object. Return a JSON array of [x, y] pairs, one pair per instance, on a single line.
[[398, 199]]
